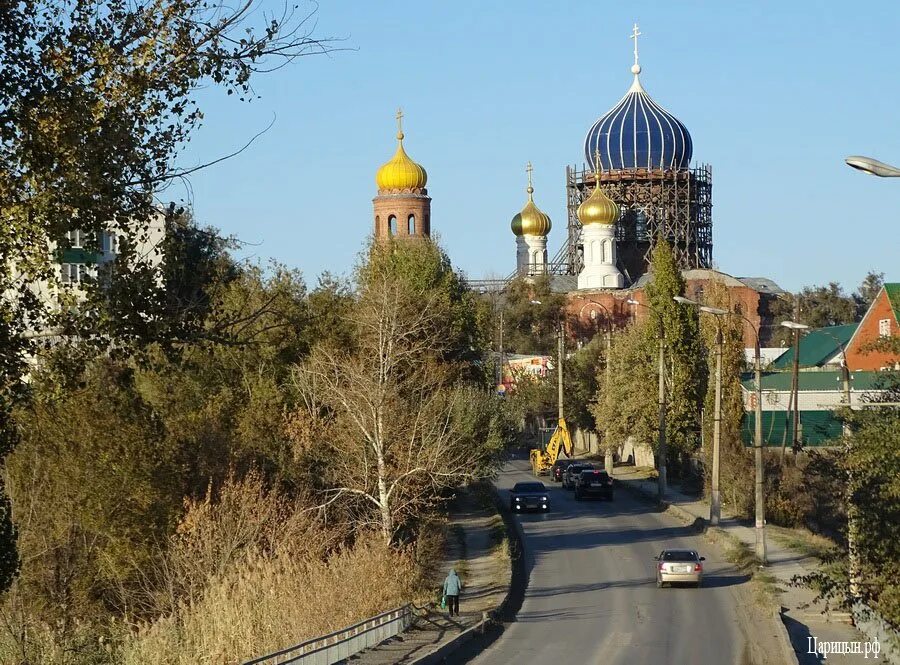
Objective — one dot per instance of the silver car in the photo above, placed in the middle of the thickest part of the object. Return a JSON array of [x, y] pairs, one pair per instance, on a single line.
[[679, 566]]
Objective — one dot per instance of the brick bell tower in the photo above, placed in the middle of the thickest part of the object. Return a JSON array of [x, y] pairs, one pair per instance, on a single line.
[[402, 206]]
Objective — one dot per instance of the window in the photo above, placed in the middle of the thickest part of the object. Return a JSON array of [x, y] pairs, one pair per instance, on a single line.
[[73, 273], [76, 238], [411, 225], [392, 225], [884, 327], [109, 243]]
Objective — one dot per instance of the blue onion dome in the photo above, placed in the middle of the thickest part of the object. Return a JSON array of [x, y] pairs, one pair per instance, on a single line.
[[638, 133]]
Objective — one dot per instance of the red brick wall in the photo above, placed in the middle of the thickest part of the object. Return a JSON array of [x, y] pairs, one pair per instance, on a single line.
[[579, 308], [867, 333]]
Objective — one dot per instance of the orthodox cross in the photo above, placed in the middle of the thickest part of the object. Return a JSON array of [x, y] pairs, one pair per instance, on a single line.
[[635, 33], [400, 122]]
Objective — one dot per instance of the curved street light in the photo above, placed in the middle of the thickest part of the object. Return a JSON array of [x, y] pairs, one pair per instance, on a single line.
[[873, 166]]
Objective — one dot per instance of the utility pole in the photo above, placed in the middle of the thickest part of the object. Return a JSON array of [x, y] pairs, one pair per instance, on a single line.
[[795, 381], [562, 353], [661, 481], [715, 505], [500, 381], [760, 529], [608, 453]]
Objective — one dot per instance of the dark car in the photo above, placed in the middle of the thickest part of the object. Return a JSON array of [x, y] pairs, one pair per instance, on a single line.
[[571, 474], [593, 484], [559, 468], [529, 496]]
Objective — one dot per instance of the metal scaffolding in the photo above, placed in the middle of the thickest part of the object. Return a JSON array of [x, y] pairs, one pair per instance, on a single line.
[[674, 204]]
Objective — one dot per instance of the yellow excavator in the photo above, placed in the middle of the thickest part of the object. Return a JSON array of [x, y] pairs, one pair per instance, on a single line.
[[543, 460]]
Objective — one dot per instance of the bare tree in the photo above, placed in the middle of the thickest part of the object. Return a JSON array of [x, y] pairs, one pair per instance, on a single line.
[[397, 426]]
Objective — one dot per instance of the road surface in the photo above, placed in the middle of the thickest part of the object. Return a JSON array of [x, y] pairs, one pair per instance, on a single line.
[[592, 593]]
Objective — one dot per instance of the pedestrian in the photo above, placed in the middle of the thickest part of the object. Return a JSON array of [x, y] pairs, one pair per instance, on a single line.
[[452, 587]]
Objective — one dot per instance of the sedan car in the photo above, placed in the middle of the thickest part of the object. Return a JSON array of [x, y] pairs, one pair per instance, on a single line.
[[592, 484], [679, 566], [571, 474], [529, 496], [559, 469]]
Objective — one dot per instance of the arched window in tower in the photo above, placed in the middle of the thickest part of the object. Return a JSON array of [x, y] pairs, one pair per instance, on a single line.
[[602, 251], [411, 225], [392, 225]]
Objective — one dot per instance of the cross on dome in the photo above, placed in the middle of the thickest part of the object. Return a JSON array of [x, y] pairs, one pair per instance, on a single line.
[[400, 124], [635, 33], [528, 169]]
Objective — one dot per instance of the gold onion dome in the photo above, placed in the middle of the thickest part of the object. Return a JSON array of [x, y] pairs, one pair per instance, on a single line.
[[598, 208], [400, 173], [531, 221]]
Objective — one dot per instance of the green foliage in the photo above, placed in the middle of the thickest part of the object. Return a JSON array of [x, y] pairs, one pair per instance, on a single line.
[[423, 268], [626, 404], [867, 291], [685, 374], [581, 382], [529, 327]]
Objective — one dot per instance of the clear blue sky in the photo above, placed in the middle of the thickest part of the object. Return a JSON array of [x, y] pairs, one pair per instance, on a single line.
[[775, 95]]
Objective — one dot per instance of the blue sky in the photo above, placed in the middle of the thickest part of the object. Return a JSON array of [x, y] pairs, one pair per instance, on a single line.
[[775, 95]]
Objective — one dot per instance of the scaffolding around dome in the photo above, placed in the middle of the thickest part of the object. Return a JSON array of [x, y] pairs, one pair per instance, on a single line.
[[674, 204]]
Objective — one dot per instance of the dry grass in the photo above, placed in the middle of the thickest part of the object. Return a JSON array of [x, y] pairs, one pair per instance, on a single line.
[[764, 584], [271, 602], [803, 541]]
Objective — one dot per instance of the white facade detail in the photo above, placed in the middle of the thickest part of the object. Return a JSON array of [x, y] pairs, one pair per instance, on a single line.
[[599, 271], [531, 255]]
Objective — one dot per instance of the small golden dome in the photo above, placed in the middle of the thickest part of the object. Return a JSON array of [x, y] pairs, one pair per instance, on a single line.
[[400, 173], [531, 221], [598, 208]]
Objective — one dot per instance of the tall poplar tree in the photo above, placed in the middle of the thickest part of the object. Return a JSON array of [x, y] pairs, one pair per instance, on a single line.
[[685, 373]]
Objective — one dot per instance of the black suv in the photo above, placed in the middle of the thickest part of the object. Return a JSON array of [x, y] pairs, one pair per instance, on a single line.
[[559, 468], [591, 484], [529, 496], [571, 473]]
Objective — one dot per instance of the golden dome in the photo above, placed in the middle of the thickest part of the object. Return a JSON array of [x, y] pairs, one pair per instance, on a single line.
[[400, 173], [598, 208], [531, 221]]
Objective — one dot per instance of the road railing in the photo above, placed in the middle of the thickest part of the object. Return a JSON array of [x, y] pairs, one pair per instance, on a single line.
[[342, 644]]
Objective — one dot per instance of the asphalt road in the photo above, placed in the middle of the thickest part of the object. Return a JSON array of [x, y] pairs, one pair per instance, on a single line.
[[592, 593]]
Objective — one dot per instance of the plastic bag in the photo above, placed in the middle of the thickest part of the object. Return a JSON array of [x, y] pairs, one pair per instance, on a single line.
[[443, 602]]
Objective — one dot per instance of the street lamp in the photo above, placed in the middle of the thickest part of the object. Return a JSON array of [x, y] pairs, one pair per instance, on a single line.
[[873, 166], [795, 382], [715, 504], [661, 436], [608, 457]]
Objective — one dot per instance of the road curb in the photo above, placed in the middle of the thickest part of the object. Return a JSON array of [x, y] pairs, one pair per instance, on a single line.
[[493, 619], [787, 647]]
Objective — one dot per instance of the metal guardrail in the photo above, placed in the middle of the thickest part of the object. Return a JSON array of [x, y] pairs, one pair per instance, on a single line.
[[342, 644]]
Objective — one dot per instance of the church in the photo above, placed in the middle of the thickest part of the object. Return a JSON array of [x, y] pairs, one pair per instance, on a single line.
[[637, 184]]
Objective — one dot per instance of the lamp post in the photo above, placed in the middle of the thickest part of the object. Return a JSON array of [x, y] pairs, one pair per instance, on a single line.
[[795, 382], [873, 166], [715, 504], [661, 436], [608, 456]]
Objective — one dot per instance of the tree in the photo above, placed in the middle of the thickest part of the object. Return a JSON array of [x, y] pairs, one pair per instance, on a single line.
[[820, 306], [867, 291], [96, 100], [685, 375], [625, 404], [531, 315], [399, 426]]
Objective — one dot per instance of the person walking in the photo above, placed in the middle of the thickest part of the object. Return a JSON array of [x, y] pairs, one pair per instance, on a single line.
[[452, 587]]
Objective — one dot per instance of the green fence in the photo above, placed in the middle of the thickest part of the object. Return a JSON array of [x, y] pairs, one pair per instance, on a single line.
[[817, 428]]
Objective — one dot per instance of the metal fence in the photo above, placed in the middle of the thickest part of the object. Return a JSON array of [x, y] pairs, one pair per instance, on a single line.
[[342, 644]]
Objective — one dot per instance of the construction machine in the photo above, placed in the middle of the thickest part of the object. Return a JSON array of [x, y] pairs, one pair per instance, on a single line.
[[542, 460]]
